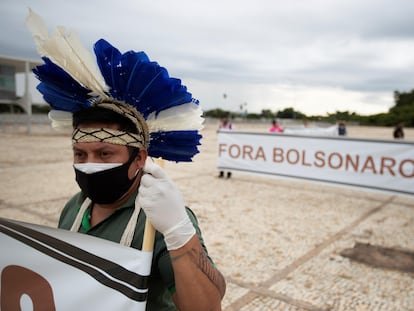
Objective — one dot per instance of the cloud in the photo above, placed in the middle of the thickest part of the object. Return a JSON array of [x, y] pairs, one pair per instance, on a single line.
[[340, 55]]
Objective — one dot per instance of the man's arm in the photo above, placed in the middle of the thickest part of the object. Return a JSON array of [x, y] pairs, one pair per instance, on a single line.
[[198, 285]]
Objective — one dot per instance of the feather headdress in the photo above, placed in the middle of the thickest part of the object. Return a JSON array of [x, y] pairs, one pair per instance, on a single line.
[[72, 81]]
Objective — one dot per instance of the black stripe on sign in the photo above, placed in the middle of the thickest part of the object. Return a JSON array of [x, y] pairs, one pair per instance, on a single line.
[[113, 269], [109, 267]]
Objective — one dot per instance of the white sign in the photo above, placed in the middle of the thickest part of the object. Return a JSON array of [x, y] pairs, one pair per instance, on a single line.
[[370, 164], [315, 131], [44, 268]]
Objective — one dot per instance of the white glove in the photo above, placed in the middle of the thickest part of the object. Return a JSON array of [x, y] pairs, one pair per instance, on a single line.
[[164, 205]]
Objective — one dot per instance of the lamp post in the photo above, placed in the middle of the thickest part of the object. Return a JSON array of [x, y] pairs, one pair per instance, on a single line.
[[243, 110]]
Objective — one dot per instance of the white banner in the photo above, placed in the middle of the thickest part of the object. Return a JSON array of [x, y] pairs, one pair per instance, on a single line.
[[45, 268], [315, 131], [370, 164]]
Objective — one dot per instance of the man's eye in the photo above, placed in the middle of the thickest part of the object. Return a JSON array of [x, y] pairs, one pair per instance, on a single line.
[[105, 154]]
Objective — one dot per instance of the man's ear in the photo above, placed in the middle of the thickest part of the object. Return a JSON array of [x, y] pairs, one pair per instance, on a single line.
[[141, 158]]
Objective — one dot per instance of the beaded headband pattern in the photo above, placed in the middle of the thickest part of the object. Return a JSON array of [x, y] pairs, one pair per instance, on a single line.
[[168, 119]]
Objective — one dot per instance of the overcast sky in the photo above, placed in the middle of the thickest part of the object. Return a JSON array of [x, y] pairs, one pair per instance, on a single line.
[[318, 56]]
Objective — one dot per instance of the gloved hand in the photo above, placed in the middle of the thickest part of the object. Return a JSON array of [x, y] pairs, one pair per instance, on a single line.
[[164, 205]]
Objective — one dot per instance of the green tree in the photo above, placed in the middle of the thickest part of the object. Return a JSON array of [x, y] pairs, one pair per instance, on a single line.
[[267, 114], [290, 113], [403, 111], [217, 113]]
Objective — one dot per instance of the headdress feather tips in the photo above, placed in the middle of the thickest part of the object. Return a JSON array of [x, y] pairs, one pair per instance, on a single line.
[[65, 50], [70, 81]]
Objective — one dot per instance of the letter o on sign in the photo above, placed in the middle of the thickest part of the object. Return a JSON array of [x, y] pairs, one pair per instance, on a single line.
[[234, 151], [17, 281]]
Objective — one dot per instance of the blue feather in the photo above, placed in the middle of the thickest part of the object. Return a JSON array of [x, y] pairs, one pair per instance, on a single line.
[[59, 89], [174, 145], [133, 78], [115, 67], [145, 85]]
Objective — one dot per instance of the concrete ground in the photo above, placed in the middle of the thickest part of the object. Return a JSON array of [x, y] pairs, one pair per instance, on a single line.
[[277, 242]]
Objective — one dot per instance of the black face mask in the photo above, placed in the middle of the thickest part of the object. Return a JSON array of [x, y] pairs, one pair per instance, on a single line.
[[107, 186]]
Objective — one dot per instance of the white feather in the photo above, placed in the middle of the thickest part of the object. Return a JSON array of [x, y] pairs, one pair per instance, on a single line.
[[66, 51], [61, 120], [178, 118]]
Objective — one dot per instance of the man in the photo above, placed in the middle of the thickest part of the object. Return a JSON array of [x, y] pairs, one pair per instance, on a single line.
[[182, 273], [399, 131], [124, 109], [225, 125], [342, 128]]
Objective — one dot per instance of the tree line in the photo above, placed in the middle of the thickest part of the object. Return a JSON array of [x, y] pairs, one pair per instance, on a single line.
[[401, 112]]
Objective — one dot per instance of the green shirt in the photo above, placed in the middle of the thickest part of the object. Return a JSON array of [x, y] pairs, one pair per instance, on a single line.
[[161, 281]]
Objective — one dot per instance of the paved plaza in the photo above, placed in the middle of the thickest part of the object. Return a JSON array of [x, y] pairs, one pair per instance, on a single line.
[[278, 242]]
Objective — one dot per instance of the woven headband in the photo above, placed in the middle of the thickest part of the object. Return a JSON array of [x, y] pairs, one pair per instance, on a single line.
[[139, 139], [104, 135]]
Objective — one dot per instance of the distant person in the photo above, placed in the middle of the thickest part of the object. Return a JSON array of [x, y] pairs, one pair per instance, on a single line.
[[342, 129], [225, 124], [398, 131], [305, 123], [276, 128]]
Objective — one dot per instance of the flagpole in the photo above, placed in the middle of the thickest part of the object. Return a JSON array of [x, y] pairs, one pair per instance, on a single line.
[[149, 237], [149, 231]]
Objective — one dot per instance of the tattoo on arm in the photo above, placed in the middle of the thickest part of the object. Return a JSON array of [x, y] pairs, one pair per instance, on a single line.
[[199, 257]]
